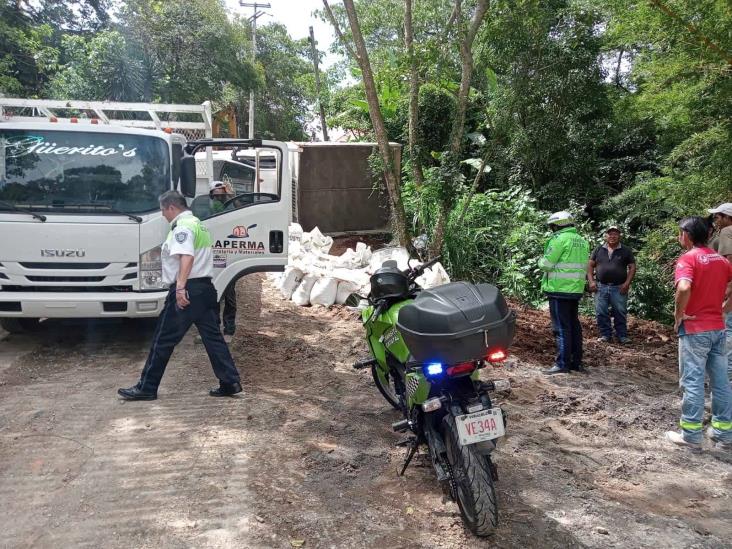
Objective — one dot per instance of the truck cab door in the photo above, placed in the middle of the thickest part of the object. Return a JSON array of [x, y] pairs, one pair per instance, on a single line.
[[249, 234]]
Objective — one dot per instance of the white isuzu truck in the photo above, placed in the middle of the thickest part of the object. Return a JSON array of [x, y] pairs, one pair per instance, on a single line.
[[80, 225]]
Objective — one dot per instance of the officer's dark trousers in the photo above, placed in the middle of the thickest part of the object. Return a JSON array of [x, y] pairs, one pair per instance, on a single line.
[[567, 331], [174, 323], [229, 316]]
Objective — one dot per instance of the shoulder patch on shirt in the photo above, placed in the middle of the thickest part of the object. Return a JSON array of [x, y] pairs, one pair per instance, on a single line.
[[181, 237]]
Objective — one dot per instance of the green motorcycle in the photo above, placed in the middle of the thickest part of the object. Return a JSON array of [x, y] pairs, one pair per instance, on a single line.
[[427, 348]]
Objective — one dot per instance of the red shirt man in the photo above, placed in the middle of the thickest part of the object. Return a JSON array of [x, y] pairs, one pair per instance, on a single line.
[[709, 273]]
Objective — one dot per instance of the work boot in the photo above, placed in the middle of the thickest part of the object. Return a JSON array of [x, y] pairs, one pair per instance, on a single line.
[[555, 370], [134, 393], [226, 389], [719, 443], [678, 439], [580, 369]]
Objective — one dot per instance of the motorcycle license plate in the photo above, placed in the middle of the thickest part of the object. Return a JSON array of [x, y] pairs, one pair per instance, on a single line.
[[480, 426]]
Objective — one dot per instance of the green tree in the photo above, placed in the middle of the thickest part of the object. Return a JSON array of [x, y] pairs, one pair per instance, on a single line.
[[191, 49], [27, 51], [99, 68], [549, 111], [284, 102]]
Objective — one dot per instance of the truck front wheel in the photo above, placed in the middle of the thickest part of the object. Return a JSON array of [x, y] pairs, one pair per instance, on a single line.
[[19, 325]]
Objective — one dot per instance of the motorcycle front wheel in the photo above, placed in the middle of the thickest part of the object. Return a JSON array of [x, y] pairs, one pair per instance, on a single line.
[[473, 482], [388, 390]]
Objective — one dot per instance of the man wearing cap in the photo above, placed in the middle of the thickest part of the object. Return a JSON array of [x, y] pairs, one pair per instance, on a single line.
[[565, 267], [722, 244], [220, 193], [187, 263], [610, 272]]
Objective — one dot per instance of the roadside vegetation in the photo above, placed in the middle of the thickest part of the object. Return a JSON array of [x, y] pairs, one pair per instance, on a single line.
[[618, 111]]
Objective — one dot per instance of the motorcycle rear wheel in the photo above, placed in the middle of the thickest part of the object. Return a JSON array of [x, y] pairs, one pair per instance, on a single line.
[[476, 495], [388, 391]]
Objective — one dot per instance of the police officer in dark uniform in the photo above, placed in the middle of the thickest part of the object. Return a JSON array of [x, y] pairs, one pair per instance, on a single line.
[[187, 267]]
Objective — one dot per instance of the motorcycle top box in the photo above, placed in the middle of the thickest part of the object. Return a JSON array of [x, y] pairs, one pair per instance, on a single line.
[[456, 322]]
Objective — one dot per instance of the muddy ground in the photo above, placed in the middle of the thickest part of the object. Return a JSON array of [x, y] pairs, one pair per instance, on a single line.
[[306, 456]]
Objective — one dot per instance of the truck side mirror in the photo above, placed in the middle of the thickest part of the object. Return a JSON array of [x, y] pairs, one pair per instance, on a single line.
[[188, 176]]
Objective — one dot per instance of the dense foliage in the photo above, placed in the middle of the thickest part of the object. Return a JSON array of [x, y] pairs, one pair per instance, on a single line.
[[618, 110], [155, 51]]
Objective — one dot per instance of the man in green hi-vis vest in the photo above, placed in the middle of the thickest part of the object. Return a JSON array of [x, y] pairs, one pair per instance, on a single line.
[[187, 264], [564, 263]]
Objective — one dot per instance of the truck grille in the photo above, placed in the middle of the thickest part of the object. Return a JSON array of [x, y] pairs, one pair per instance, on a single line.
[[67, 289], [54, 266], [33, 278]]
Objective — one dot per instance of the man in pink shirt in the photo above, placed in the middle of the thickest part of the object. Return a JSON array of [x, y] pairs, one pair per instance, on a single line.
[[703, 283]]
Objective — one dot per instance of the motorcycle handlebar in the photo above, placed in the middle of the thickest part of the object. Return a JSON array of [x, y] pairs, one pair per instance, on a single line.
[[415, 273]]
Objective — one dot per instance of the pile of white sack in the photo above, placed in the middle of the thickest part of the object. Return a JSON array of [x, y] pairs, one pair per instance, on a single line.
[[313, 277]]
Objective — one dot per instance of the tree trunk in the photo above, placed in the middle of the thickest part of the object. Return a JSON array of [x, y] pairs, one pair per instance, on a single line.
[[399, 218], [458, 126], [417, 173]]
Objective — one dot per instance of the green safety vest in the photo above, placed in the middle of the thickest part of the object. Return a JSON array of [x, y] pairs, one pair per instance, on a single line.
[[565, 263], [201, 236]]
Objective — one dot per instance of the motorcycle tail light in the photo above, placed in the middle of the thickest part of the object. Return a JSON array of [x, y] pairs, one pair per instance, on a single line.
[[460, 369], [496, 356]]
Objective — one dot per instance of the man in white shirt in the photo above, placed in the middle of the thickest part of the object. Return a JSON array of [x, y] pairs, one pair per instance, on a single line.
[[187, 267]]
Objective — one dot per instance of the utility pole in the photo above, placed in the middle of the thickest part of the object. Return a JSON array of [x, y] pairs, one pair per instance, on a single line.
[[256, 15], [317, 85]]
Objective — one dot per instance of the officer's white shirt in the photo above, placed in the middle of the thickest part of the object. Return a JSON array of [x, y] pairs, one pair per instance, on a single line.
[[180, 242]]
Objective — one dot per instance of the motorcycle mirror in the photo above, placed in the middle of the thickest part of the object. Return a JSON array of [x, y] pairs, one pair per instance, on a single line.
[[420, 243], [353, 300]]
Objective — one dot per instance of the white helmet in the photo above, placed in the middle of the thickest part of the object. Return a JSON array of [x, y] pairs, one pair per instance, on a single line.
[[216, 185], [561, 219]]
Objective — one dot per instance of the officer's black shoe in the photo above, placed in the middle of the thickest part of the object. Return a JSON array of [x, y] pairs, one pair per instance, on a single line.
[[555, 370], [579, 369], [226, 389], [134, 393]]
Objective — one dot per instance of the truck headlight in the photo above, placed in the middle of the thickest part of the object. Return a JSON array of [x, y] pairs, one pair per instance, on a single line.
[[151, 270]]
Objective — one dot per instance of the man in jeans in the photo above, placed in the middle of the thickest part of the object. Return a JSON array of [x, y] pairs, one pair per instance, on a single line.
[[610, 272], [703, 283], [565, 266], [722, 244]]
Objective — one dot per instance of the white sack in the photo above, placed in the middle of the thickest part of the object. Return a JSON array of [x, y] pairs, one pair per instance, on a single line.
[[301, 296], [291, 279], [433, 277], [324, 292], [314, 263], [363, 252], [348, 260], [319, 241], [398, 254], [294, 251], [344, 290], [295, 232], [358, 277]]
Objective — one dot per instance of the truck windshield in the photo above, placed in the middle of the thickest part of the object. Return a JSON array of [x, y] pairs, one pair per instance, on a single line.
[[53, 170]]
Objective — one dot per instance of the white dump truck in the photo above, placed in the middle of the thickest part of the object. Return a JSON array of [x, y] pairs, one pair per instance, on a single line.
[[80, 225]]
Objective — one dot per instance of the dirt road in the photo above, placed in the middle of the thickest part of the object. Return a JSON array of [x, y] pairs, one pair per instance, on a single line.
[[307, 454]]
